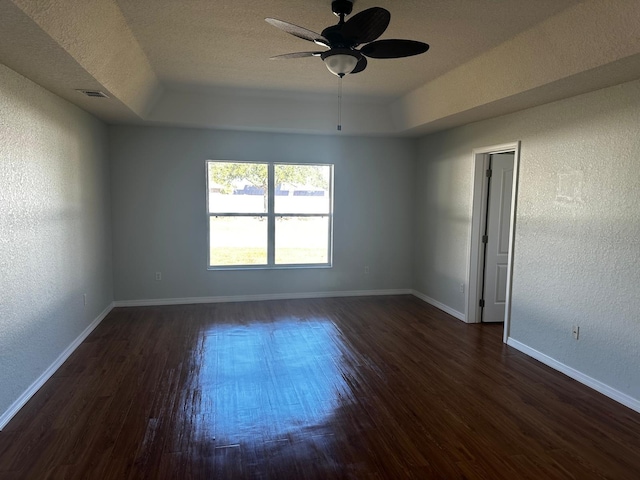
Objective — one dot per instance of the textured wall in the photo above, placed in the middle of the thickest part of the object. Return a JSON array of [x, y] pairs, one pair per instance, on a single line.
[[54, 224], [577, 229], [443, 185], [160, 222]]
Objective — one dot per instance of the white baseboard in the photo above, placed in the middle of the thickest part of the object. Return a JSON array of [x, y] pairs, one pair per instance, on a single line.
[[441, 306], [254, 298], [612, 393], [46, 375]]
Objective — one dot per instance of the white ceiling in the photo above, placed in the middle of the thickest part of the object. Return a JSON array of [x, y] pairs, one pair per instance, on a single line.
[[206, 62], [228, 43]]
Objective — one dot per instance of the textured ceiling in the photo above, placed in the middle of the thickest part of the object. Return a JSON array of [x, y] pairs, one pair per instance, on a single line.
[[228, 43], [205, 63]]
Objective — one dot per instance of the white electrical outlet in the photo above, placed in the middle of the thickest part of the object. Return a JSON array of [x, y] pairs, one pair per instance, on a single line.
[[366, 270], [84, 299], [158, 276], [575, 332], [462, 288]]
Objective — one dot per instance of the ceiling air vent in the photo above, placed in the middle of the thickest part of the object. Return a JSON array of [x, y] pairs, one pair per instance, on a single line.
[[94, 93]]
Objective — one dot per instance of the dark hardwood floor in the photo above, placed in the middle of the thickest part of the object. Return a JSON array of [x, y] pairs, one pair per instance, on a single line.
[[380, 388]]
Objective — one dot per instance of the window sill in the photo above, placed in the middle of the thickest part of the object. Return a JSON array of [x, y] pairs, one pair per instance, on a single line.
[[268, 267]]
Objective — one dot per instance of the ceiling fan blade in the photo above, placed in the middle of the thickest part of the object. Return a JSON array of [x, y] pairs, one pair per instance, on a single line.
[[366, 26], [296, 55], [394, 48], [298, 31], [361, 65]]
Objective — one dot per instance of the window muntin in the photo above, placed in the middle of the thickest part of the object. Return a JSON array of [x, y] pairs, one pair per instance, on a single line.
[[269, 215]]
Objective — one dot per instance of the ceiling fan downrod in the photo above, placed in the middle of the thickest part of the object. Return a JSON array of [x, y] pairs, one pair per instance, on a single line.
[[341, 8]]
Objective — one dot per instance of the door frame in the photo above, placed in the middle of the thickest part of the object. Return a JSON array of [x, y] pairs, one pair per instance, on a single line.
[[480, 163]]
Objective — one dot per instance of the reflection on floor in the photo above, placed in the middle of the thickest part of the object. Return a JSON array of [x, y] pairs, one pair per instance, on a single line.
[[267, 380], [384, 387]]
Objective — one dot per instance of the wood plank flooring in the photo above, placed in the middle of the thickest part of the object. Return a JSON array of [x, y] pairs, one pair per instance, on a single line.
[[354, 388]]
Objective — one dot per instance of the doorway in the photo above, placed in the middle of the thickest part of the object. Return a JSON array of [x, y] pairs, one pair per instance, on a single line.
[[490, 272]]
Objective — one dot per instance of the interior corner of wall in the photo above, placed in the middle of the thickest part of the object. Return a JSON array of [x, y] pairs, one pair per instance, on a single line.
[[153, 95], [396, 113]]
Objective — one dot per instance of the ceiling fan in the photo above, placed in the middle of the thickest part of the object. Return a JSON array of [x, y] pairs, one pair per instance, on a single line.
[[342, 39]]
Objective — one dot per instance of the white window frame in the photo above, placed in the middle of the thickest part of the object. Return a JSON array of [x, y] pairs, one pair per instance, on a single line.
[[271, 216]]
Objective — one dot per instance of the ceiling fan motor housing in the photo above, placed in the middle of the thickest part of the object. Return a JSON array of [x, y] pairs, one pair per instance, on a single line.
[[342, 7], [336, 38]]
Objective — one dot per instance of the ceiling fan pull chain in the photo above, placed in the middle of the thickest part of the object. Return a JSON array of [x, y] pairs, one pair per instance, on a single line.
[[339, 104]]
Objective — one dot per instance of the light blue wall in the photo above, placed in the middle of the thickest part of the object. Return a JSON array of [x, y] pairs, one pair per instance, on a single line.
[[160, 220], [576, 261], [55, 235]]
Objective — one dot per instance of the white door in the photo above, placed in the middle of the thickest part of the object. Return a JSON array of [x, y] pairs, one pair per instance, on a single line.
[[497, 237]]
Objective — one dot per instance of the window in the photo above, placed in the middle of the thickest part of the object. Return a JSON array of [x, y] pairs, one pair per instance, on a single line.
[[269, 215]]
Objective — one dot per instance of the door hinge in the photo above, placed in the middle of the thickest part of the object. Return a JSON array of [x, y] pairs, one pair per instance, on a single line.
[[489, 173], [482, 303], [485, 238]]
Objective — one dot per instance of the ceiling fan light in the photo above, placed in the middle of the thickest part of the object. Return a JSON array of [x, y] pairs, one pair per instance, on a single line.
[[340, 63]]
